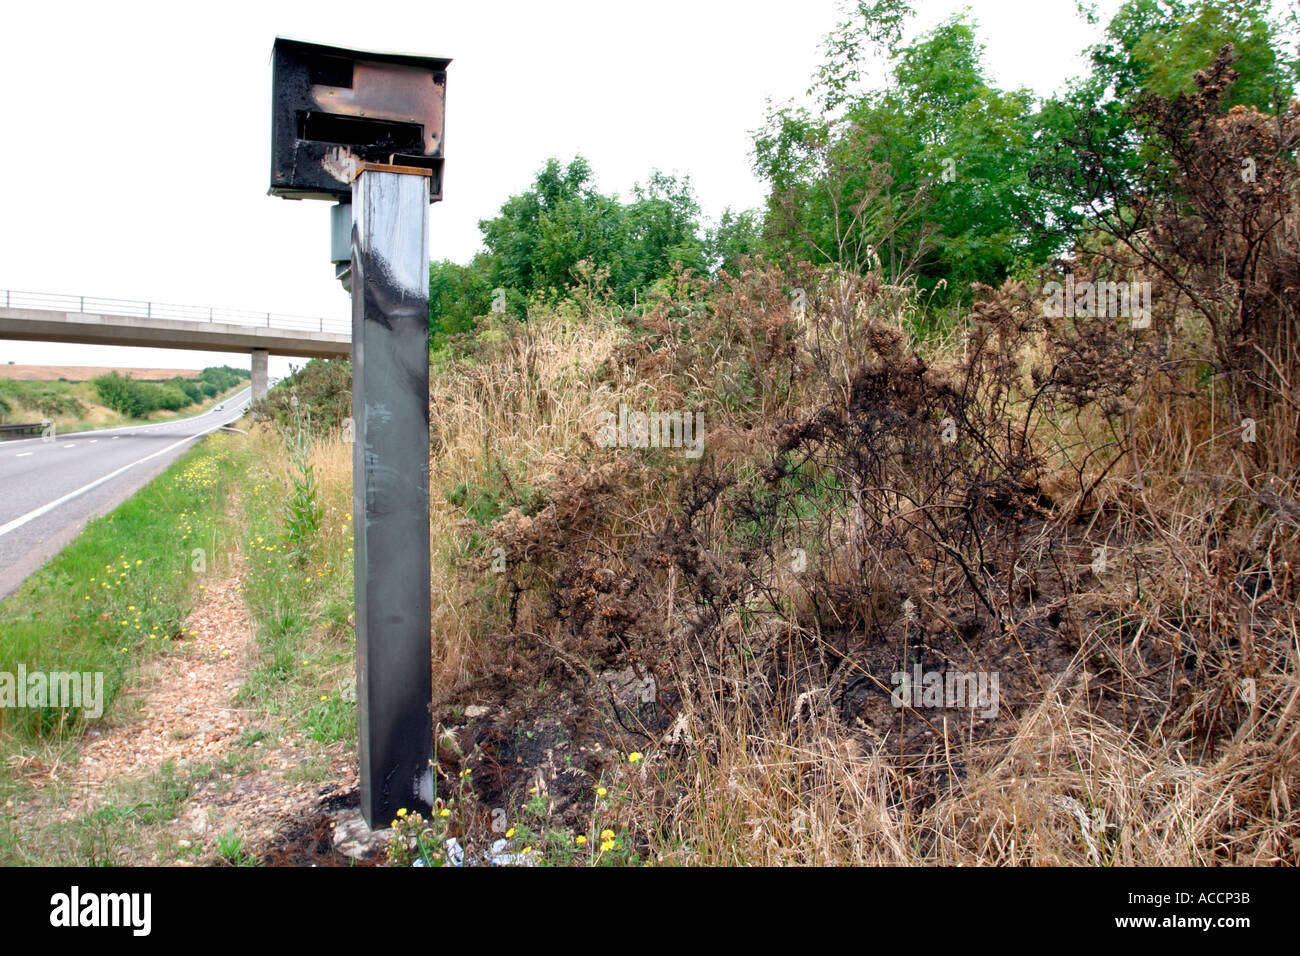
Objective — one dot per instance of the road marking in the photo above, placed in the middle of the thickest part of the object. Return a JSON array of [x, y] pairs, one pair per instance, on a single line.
[[46, 508], [24, 454], [69, 445], [93, 440]]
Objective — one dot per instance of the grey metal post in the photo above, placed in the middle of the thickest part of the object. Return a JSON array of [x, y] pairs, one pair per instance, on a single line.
[[390, 487]]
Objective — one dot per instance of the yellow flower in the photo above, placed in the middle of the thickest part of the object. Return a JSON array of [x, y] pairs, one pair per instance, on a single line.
[[606, 836], [465, 772], [324, 696], [601, 791], [510, 833], [444, 812], [607, 846], [401, 812], [527, 849], [580, 839], [634, 757]]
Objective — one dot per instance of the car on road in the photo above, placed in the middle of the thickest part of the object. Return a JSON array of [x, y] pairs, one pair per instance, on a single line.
[[220, 406]]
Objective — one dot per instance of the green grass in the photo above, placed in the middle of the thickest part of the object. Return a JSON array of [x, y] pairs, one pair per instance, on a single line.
[[298, 588], [130, 820], [122, 589], [121, 593]]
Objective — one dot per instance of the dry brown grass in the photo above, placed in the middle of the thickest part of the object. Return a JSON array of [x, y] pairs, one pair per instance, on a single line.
[[1167, 735], [1124, 755]]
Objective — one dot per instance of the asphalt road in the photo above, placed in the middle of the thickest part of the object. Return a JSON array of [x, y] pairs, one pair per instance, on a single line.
[[49, 489]]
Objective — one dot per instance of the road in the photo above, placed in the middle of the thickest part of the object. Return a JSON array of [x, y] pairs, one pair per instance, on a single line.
[[49, 489]]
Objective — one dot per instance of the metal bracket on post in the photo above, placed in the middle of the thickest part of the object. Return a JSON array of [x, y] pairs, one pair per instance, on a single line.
[[390, 487]]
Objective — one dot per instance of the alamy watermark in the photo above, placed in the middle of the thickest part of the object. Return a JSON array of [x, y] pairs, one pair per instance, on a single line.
[[1095, 300], [67, 689], [973, 689], [635, 429]]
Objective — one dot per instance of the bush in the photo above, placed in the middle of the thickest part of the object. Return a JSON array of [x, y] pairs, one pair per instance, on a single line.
[[323, 390]]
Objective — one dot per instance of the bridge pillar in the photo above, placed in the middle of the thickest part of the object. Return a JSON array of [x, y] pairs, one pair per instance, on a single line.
[[259, 374]]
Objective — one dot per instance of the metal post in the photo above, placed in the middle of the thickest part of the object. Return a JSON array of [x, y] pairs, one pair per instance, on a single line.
[[390, 487]]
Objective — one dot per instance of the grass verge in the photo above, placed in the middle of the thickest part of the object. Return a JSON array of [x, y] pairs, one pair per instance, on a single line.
[[114, 597]]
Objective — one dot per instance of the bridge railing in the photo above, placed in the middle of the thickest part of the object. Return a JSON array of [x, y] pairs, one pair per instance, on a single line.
[[57, 302]]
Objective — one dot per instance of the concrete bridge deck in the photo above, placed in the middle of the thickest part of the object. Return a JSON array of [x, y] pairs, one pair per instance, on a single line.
[[44, 317], [47, 317]]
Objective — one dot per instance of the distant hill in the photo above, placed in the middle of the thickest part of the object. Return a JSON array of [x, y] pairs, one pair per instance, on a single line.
[[84, 373]]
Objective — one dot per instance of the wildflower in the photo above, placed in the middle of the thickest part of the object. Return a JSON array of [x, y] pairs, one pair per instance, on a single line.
[[634, 757], [606, 846], [324, 696], [402, 812], [606, 836], [601, 791], [580, 839], [444, 812], [465, 772], [510, 833]]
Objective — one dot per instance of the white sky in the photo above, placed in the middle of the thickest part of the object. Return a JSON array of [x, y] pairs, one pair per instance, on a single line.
[[136, 136]]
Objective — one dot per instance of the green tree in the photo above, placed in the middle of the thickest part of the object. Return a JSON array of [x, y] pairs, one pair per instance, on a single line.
[[458, 295], [1090, 151], [533, 246], [930, 175]]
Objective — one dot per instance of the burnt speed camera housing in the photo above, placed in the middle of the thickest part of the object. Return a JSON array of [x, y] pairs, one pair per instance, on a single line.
[[333, 109]]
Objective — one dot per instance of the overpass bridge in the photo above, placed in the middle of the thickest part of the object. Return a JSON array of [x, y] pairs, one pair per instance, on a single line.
[[87, 320]]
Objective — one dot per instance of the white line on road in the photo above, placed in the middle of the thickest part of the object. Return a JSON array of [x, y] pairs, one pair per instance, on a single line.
[[43, 509], [24, 454]]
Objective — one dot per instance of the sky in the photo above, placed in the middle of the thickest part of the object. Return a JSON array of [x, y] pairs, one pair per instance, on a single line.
[[136, 136]]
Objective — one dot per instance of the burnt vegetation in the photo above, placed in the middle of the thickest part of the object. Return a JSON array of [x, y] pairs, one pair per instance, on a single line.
[[1101, 511]]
